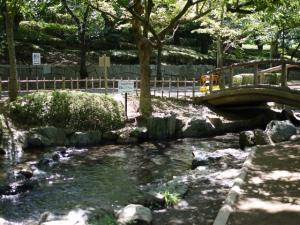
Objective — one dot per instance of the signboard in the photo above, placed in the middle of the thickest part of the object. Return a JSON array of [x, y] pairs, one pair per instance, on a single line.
[[125, 86], [47, 69], [36, 58], [104, 61]]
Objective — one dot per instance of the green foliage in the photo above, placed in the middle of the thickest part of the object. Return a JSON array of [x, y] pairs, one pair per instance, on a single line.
[[247, 78], [53, 29], [170, 198], [35, 37], [66, 109], [271, 78], [242, 79]]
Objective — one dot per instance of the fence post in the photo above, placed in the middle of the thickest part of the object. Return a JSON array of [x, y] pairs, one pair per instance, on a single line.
[[113, 85], [63, 84], [193, 94], [19, 84], [77, 83], [136, 86], [177, 87], [54, 84], [99, 84], [71, 80], [256, 79], [0, 87], [284, 74], [86, 83], [37, 83], [184, 86], [154, 91], [27, 85], [162, 87], [231, 77], [170, 86], [211, 83], [92, 82], [44, 83]]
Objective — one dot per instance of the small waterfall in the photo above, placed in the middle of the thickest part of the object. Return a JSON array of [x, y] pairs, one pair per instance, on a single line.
[[11, 140]]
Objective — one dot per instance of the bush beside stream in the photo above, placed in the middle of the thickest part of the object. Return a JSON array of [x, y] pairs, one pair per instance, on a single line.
[[68, 109]]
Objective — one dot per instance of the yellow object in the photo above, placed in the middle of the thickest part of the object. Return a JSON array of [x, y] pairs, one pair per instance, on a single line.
[[206, 88], [205, 82]]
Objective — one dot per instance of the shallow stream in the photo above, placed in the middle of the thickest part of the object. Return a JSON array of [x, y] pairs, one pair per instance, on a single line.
[[108, 177]]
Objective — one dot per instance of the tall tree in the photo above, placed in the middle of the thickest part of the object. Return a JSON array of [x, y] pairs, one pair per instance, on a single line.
[[147, 38], [9, 24], [80, 12]]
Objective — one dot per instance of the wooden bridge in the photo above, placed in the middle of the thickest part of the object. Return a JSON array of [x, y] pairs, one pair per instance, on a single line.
[[258, 92]]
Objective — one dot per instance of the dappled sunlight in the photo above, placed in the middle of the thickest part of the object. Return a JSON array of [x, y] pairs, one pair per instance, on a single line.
[[268, 206], [281, 175]]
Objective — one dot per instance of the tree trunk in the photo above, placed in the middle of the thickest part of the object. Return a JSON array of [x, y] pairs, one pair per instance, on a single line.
[[158, 66], [219, 53], [13, 85], [83, 70], [274, 52], [145, 49]]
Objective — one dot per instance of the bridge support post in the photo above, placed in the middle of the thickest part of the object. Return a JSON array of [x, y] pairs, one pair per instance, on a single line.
[[222, 81], [256, 79], [284, 75], [211, 83]]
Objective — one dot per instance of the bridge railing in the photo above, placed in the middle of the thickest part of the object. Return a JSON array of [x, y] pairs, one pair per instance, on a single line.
[[175, 88], [229, 72]]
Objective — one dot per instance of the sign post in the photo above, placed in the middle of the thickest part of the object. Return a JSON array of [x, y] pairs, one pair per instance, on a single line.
[[125, 86], [36, 60], [104, 62]]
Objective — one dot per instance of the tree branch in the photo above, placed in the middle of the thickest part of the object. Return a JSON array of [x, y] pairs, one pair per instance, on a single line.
[[75, 18], [175, 20], [143, 21]]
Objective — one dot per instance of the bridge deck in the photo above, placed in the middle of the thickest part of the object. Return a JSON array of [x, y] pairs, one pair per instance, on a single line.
[[249, 95]]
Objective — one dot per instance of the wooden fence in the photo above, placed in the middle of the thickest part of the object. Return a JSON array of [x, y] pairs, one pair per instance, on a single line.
[[163, 88]]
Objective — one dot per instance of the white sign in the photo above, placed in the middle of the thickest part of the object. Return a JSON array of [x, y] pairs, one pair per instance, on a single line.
[[125, 86], [36, 58], [104, 61]]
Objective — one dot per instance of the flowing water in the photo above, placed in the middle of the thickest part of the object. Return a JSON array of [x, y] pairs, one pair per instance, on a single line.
[[109, 177]]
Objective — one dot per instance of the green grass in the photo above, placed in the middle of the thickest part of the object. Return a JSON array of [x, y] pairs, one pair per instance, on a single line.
[[170, 198]]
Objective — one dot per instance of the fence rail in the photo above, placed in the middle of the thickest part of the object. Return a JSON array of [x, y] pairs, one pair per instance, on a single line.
[[163, 88]]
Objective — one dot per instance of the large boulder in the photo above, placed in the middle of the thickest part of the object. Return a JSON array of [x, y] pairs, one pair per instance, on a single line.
[[45, 136], [288, 114], [261, 137], [161, 126], [280, 130], [197, 127], [246, 139], [134, 213], [200, 159], [79, 139]]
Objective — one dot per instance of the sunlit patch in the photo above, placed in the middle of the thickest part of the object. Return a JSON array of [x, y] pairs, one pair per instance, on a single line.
[[268, 206], [282, 175], [256, 180]]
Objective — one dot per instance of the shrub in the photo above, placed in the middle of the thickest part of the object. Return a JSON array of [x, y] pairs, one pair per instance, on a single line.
[[242, 79], [237, 80], [247, 78], [68, 109]]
